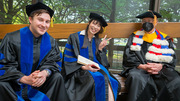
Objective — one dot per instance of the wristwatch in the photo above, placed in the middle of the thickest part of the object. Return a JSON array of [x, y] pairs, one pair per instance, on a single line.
[[48, 73]]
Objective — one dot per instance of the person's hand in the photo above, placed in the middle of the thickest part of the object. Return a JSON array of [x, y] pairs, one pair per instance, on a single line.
[[144, 67], [151, 68], [90, 67], [155, 68], [103, 43], [29, 79], [40, 78]]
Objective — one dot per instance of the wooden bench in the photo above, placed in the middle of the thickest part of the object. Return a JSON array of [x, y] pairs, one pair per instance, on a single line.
[[113, 30]]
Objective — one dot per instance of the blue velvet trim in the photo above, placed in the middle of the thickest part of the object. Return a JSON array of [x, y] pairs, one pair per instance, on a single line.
[[99, 86], [35, 95], [20, 98], [69, 46], [66, 59], [19, 95], [83, 51], [69, 53], [60, 62], [1, 56], [60, 65], [2, 72], [26, 50], [45, 46], [94, 50], [114, 83], [61, 56]]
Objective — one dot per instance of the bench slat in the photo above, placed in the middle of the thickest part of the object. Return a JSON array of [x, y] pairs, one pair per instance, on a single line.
[[114, 30]]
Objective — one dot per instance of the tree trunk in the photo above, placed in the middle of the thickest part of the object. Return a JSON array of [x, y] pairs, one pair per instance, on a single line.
[[111, 42]]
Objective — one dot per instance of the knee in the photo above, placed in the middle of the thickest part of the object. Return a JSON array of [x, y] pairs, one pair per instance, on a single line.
[[176, 83], [137, 76], [3, 85], [57, 76]]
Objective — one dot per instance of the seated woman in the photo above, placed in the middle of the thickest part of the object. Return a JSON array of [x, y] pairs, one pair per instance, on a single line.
[[84, 82]]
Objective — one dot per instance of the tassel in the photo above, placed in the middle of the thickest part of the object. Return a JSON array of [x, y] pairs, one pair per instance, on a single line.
[[104, 29], [155, 20], [155, 17], [52, 22]]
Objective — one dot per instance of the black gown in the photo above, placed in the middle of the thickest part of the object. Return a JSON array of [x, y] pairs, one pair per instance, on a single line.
[[11, 69], [80, 84], [142, 86]]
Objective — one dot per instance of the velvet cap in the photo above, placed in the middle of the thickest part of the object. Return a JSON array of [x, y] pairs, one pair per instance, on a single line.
[[99, 18], [148, 14], [37, 6]]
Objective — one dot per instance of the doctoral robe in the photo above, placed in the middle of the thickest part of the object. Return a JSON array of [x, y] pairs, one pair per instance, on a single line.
[[143, 48], [21, 54], [84, 85]]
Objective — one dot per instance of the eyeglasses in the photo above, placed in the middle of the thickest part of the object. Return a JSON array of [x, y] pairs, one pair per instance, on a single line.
[[147, 20]]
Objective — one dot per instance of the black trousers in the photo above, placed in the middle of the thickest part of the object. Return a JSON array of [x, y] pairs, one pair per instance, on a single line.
[[144, 87], [53, 87]]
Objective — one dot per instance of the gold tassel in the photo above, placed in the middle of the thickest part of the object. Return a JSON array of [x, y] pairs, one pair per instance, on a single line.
[[104, 29], [52, 22], [155, 17], [155, 20]]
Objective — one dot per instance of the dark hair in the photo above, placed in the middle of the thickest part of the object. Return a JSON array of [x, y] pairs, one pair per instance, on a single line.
[[38, 12], [97, 39]]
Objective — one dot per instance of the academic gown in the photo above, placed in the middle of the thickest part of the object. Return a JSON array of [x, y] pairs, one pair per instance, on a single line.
[[83, 85], [142, 86], [21, 54]]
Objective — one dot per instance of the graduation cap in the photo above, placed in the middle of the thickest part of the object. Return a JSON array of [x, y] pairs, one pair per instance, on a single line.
[[37, 6], [149, 14], [99, 18]]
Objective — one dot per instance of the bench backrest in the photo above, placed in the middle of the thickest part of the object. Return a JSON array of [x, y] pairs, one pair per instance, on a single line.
[[114, 30]]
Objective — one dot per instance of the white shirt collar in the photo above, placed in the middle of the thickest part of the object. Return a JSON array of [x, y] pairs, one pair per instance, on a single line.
[[83, 32]]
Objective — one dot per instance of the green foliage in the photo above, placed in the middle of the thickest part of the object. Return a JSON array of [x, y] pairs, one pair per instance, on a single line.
[[77, 11], [170, 10], [12, 11]]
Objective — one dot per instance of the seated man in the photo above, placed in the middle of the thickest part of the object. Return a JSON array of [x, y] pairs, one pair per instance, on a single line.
[[28, 59], [149, 63]]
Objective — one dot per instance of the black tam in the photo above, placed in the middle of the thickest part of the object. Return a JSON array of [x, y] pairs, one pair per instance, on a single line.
[[99, 18], [148, 14], [37, 6]]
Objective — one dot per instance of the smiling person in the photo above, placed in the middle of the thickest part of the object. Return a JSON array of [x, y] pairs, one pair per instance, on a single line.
[[85, 82], [149, 63], [28, 58]]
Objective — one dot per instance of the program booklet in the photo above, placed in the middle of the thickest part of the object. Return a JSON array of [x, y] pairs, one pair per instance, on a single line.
[[84, 61]]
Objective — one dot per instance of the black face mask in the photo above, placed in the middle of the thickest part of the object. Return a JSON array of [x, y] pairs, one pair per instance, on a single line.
[[147, 26]]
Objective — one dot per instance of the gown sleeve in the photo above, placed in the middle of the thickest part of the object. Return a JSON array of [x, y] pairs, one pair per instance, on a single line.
[[9, 60], [71, 53], [102, 58]]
